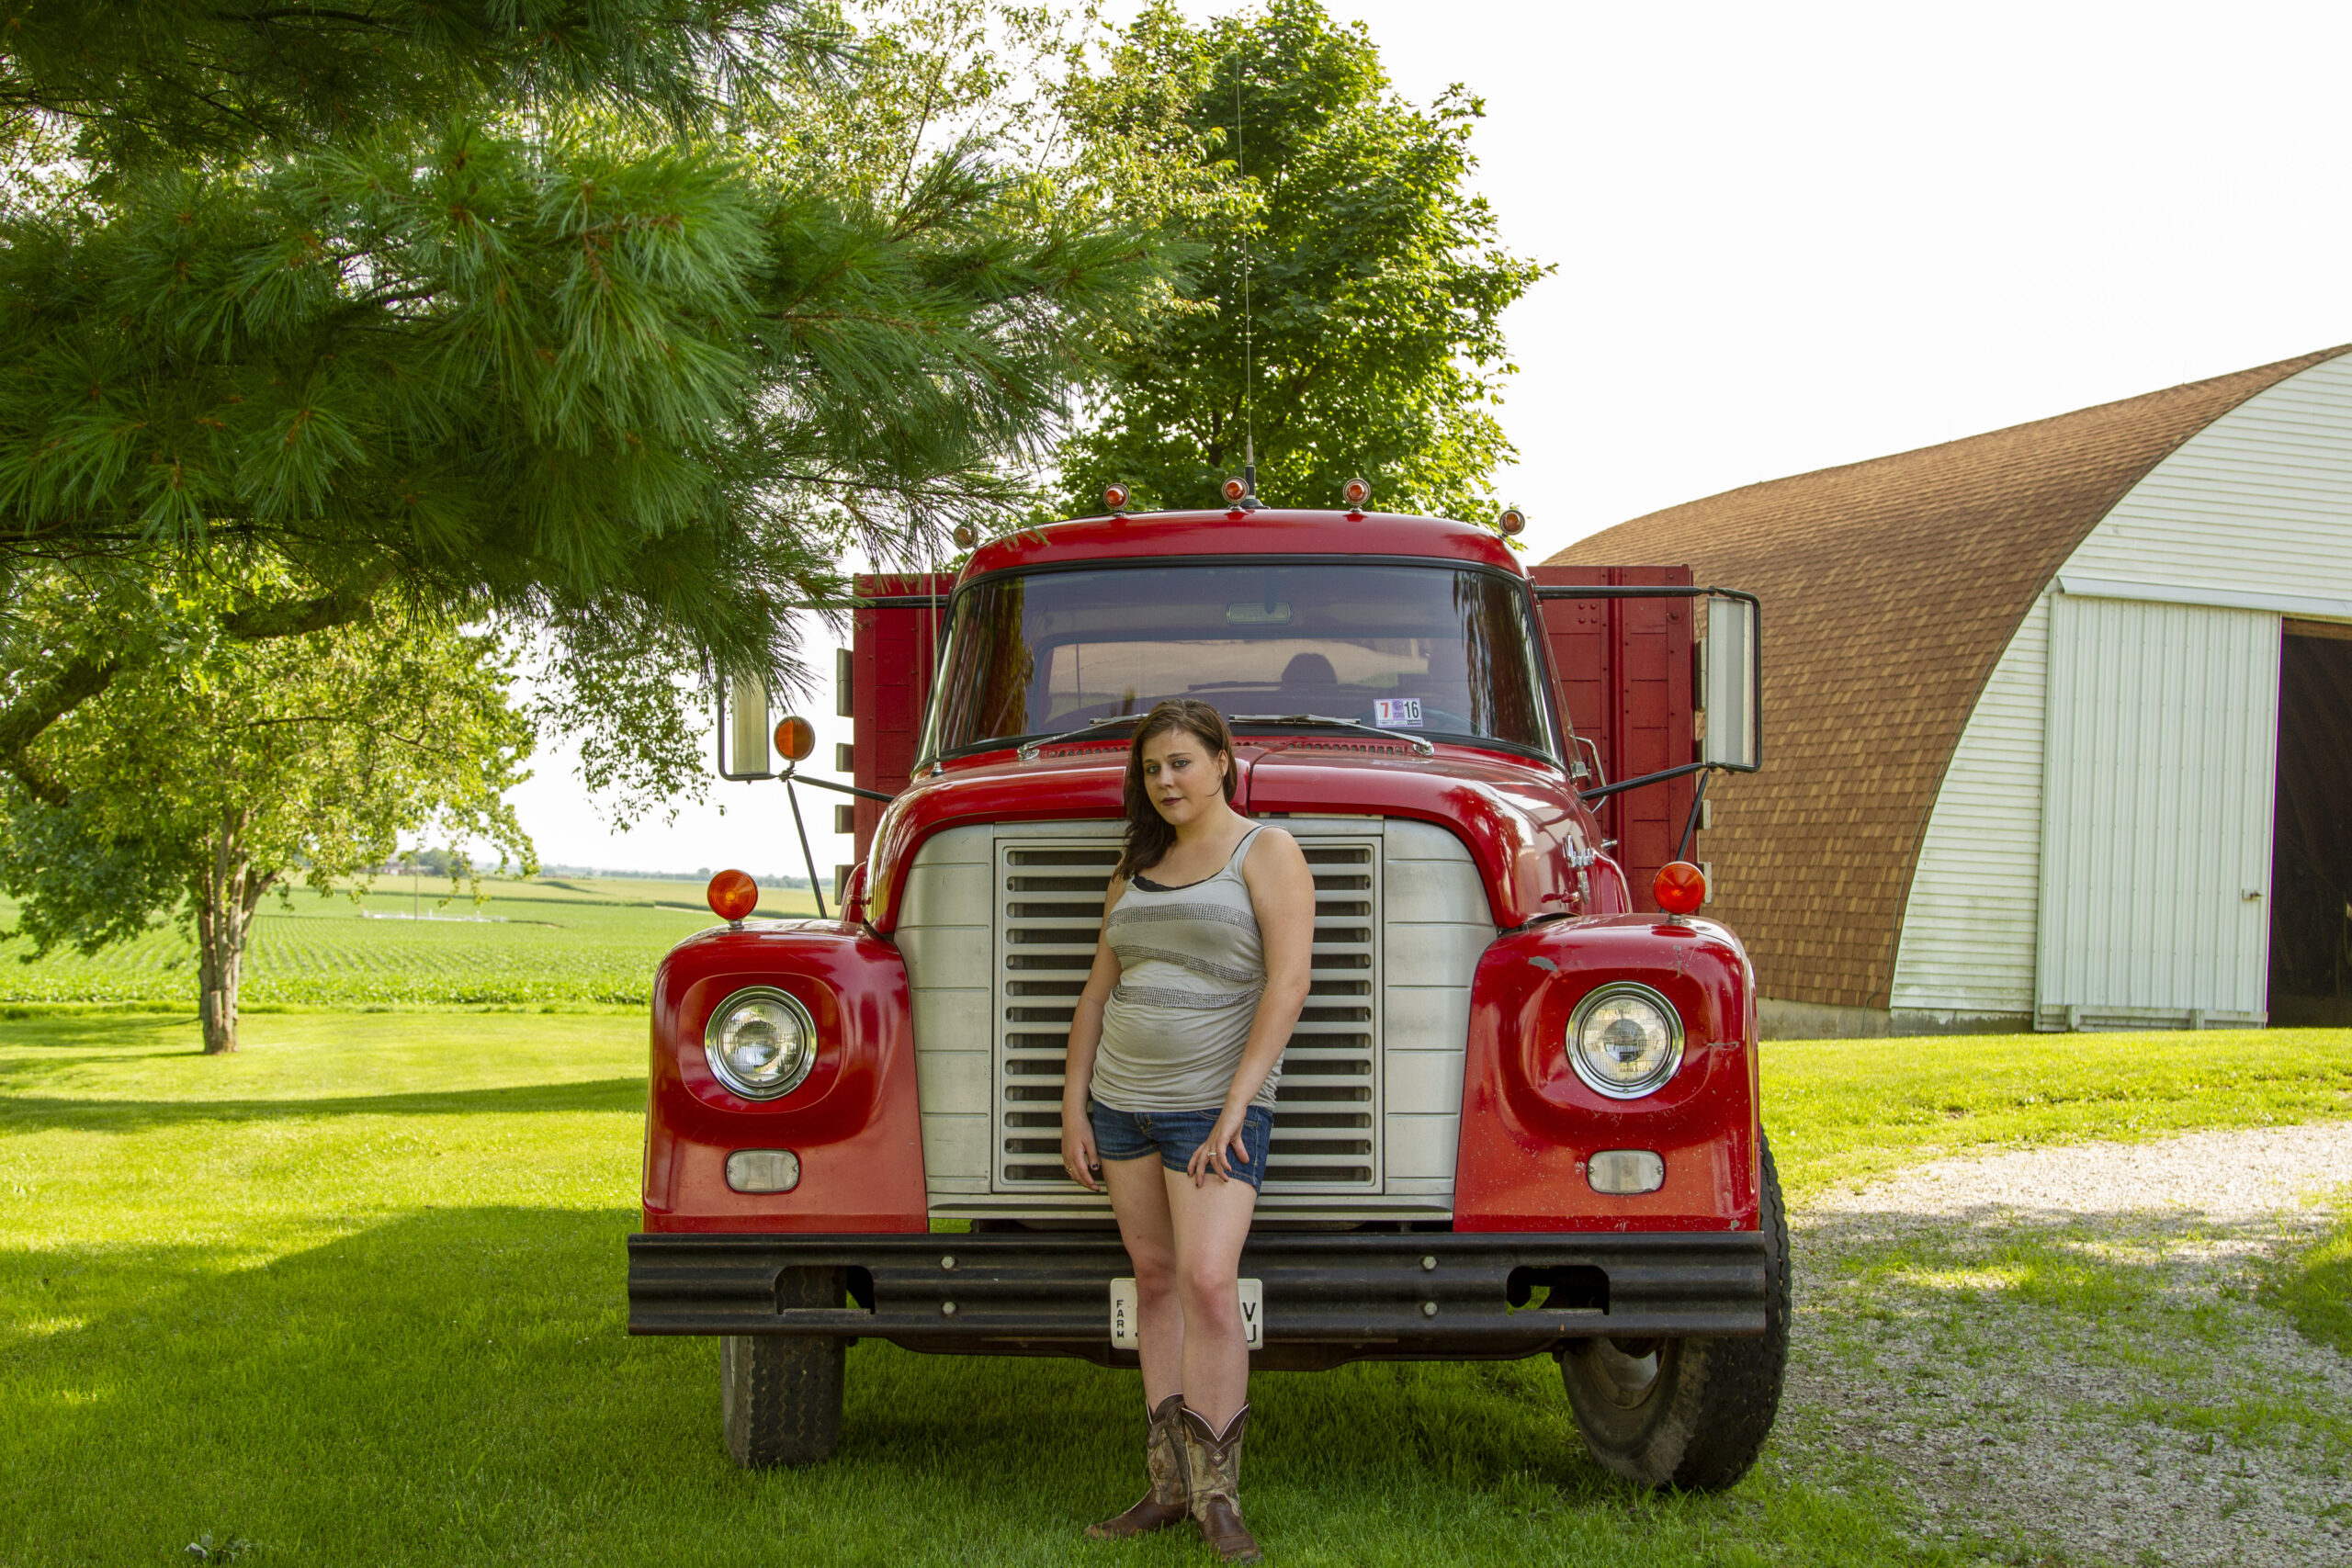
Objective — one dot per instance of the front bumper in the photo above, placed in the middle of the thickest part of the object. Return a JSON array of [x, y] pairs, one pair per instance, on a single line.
[[1330, 1298]]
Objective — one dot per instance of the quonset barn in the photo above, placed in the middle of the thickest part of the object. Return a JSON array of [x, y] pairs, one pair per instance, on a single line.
[[2058, 719]]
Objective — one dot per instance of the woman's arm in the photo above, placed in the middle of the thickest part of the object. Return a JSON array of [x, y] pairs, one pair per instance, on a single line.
[[1282, 892], [1085, 1036]]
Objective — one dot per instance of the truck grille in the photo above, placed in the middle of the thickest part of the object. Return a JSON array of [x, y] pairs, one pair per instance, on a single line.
[[1367, 1123], [1049, 916]]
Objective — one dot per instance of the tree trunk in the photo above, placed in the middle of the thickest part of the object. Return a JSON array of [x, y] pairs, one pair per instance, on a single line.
[[227, 893]]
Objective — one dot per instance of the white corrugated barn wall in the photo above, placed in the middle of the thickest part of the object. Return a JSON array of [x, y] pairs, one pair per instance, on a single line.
[[2155, 813], [2131, 729]]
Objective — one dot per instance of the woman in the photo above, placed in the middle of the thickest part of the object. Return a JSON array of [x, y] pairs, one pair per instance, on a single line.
[[1174, 1053]]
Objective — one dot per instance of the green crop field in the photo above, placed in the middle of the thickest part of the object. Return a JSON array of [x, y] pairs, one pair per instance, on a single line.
[[568, 942], [355, 1295]]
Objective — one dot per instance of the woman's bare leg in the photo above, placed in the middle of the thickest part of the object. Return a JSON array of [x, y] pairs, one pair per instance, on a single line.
[[1211, 1223], [1140, 1200]]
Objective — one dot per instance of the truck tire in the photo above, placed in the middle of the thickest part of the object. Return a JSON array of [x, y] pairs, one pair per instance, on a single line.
[[1689, 1414], [779, 1398]]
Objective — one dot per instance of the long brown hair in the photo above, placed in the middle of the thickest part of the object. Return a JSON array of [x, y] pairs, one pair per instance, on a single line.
[[1149, 835]]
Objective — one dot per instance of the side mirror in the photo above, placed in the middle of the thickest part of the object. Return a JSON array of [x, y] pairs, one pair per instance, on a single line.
[[743, 729], [1731, 687]]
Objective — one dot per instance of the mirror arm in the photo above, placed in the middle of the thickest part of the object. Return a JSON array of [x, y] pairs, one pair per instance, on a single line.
[[1623, 784], [1690, 824], [816, 890], [875, 795], [1640, 591]]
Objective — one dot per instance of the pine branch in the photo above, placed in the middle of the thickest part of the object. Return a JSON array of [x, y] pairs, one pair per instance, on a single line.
[[306, 14], [296, 617]]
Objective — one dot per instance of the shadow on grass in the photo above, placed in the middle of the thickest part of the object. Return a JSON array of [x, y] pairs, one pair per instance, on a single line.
[[2313, 1288], [143, 1115], [151, 1028], [456, 1386]]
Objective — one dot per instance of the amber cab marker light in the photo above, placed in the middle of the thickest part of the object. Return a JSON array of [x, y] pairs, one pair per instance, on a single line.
[[1355, 492], [733, 895], [795, 738], [966, 535], [1513, 522], [1115, 497], [1235, 490], [1680, 887]]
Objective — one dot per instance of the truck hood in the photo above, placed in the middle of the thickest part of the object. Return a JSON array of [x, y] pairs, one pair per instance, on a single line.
[[1522, 821]]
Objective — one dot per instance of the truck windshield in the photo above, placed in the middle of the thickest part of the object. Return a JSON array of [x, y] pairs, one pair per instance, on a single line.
[[1433, 650]]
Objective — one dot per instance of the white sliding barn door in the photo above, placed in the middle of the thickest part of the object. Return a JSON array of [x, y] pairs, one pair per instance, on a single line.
[[2157, 764]]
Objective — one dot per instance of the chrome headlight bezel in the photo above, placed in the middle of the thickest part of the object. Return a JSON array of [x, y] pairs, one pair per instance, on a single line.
[[1599, 996], [714, 1034]]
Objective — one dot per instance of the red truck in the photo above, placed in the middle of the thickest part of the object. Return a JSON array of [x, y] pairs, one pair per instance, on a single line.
[[1519, 1115]]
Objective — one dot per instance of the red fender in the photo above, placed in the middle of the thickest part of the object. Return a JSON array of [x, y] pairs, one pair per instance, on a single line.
[[854, 1123], [1529, 1123]]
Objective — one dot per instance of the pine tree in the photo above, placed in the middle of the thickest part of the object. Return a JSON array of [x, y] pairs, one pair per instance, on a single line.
[[500, 311]]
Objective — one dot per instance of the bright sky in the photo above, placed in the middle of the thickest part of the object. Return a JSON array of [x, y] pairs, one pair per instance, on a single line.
[[1800, 235]]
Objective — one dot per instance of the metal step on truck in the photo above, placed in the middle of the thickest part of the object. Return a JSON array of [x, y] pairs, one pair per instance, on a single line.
[[1519, 1115]]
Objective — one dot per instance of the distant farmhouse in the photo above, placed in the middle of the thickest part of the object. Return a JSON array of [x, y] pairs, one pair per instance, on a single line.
[[2058, 724]]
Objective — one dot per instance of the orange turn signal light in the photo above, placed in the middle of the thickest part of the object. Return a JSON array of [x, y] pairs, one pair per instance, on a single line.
[[733, 895], [1115, 497], [1680, 887], [795, 738]]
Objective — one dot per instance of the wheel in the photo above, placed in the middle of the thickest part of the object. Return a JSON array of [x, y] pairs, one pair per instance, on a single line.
[[1691, 1414], [780, 1399]]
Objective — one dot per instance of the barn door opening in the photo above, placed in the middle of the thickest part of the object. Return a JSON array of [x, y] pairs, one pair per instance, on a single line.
[[2310, 879]]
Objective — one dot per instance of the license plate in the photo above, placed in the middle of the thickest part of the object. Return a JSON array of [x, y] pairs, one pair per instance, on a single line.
[[1123, 1315]]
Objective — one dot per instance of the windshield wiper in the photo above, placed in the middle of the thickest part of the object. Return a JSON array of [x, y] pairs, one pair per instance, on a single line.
[[1029, 750], [1420, 747]]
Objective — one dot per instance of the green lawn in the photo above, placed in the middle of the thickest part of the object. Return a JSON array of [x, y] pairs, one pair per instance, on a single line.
[[569, 941], [1847, 1110], [355, 1294]]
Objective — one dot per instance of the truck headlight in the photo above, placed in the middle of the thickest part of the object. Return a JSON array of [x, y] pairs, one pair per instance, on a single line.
[[760, 1043], [1624, 1040]]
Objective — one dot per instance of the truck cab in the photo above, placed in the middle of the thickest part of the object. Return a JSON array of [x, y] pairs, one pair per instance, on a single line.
[[1519, 1115]]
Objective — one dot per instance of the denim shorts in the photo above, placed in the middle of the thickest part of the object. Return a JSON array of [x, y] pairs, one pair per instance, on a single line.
[[1131, 1134]]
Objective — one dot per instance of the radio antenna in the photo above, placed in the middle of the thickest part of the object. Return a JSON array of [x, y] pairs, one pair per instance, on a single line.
[[1248, 370]]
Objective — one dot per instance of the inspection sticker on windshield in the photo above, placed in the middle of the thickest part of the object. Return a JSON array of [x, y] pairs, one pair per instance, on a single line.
[[1396, 713]]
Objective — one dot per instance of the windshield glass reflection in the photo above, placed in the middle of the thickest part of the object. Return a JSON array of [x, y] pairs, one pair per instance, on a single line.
[[1431, 650]]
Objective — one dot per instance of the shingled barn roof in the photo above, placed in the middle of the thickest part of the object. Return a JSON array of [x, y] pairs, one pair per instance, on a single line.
[[1889, 589]]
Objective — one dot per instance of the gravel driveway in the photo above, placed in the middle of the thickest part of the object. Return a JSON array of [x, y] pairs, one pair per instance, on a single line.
[[2060, 1352]]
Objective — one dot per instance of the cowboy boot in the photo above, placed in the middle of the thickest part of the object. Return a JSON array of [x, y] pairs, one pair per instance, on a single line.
[[1169, 1500], [1212, 1463]]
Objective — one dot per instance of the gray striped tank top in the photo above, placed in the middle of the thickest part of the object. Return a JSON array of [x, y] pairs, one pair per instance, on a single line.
[[1191, 965]]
